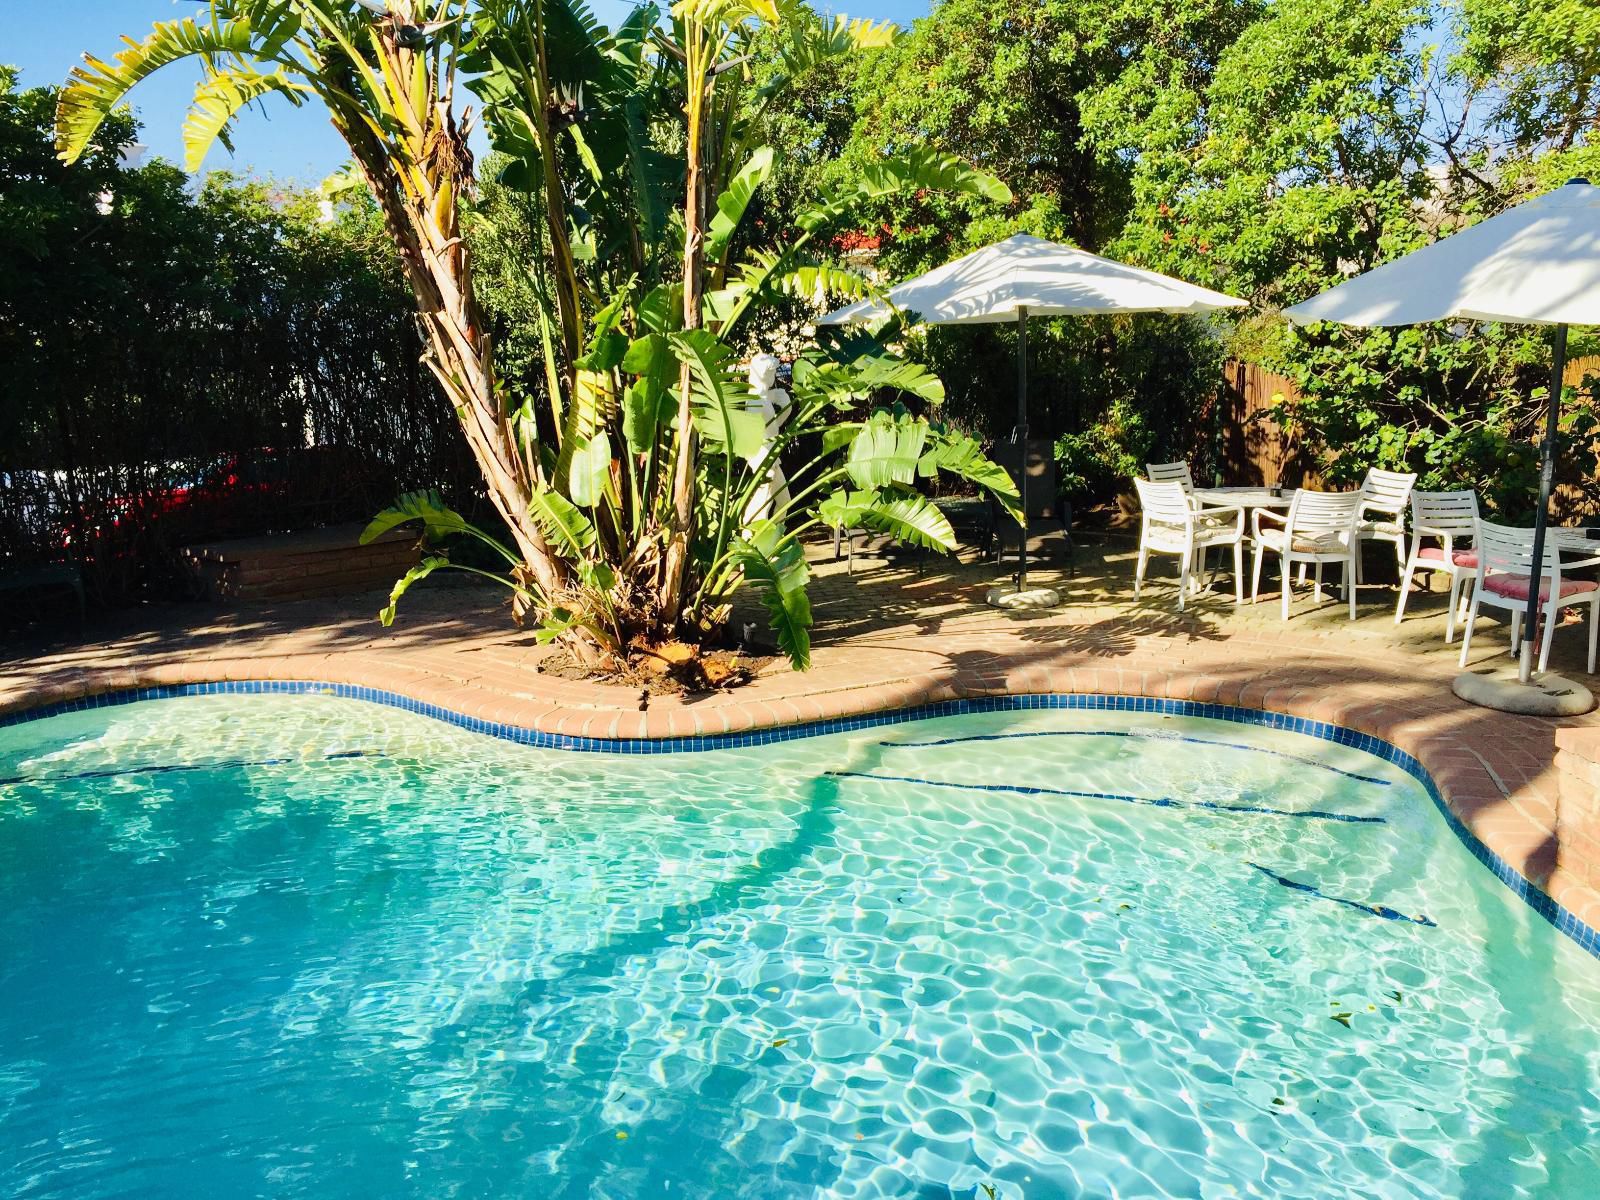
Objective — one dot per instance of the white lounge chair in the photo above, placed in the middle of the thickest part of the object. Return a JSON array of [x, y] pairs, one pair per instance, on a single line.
[[1170, 525], [1505, 570], [1451, 518], [1320, 527]]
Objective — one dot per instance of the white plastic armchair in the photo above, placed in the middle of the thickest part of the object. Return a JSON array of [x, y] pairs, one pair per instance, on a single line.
[[1218, 516], [1320, 528], [1384, 496], [1505, 571], [1170, 525], [1451, 519]]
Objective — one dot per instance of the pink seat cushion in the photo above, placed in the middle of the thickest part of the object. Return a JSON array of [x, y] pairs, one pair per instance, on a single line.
[[1462, 558], [1516, 587]]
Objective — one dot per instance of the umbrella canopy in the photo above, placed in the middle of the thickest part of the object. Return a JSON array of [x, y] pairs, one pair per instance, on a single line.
[[1043, 279], [1024, 277], [1538, 263]]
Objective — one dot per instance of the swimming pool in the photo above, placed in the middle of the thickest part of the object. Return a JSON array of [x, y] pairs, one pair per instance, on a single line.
[[306, 947]]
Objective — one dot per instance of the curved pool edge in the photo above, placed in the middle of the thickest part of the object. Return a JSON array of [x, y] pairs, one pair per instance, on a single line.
[[1553, 900]]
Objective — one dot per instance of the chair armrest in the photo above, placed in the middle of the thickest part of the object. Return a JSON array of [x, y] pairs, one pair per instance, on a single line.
[[1255, 523]]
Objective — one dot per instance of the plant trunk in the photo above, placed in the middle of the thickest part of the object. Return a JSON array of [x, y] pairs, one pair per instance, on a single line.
[[676, 563], [418, 198]]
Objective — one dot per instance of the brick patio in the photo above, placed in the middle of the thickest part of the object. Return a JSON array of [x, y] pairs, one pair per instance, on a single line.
[[888, 637]]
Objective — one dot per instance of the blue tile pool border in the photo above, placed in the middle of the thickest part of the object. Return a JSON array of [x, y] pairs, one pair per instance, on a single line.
[[1540, 902]]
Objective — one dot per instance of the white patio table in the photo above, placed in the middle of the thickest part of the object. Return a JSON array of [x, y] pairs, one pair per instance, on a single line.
[[1576, 547], [1244, 497]]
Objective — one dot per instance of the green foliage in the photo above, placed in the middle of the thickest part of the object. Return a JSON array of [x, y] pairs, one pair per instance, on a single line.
[[1266, 149], [1098, 462], [776, 565]]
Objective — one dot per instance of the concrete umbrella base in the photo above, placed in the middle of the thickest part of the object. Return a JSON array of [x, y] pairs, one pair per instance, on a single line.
[[1037, 599], [1547, 695]]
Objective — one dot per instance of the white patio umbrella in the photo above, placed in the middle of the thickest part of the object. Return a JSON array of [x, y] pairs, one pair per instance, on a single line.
[[1024, 277], [1536, 264]]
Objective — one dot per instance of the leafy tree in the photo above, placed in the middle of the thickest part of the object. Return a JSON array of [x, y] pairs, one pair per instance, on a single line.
[[1269, 150], [1062, 99]]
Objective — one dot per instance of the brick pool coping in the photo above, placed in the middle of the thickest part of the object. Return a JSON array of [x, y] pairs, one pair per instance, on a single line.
[[1495, 776]]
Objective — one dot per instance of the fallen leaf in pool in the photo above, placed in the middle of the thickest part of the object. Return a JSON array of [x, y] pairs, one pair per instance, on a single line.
[[1343, 1018], [781, 1042]]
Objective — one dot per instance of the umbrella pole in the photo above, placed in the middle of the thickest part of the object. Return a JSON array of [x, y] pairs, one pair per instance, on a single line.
[[1547, 469], [1022, 444]]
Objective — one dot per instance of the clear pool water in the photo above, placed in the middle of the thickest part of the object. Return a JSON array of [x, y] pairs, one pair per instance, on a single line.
[[302, 947]]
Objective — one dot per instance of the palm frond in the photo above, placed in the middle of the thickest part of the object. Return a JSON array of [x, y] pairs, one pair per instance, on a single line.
[[219, 98], [95, 87]]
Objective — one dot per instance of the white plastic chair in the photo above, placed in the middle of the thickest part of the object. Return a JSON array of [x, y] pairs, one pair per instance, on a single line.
[[1320, 528], [1170, 525], [1178, 472], [1385, 493], [1505, 570], [1173, 472], [1452, 519]]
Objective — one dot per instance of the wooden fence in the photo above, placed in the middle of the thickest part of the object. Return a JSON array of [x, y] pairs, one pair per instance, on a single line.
[[1251, 447]]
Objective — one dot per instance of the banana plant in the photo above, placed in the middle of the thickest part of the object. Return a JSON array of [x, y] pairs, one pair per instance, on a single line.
[[385, 73], [627, 495]]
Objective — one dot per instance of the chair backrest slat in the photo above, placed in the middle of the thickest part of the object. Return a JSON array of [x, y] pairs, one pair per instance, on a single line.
[[1173, 472], [1507, 549], [1387, 490], [1452, 513], [1320, 512], [1163, 503]]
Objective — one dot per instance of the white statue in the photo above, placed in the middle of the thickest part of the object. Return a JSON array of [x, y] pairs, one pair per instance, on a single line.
[[772, 402]]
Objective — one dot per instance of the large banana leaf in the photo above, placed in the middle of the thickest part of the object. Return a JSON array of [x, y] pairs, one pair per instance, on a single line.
[[735, 199], [95, 87], [594, 398], [911, 518], [813, 42], [959, 455], [415, 575], [728, 12], [563, 526], [861, 377], [779, 572], [885, 451], [648, 400], [219, 98], [780, 274], [843, 508], [589, 470], [439, 520], [720, 415], [904, 516]]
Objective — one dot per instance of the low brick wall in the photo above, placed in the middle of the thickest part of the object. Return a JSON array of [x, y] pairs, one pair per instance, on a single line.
[[301, 566], [1577, 762]]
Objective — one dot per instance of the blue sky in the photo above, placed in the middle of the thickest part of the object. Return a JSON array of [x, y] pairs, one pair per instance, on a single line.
[[45, 40]]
